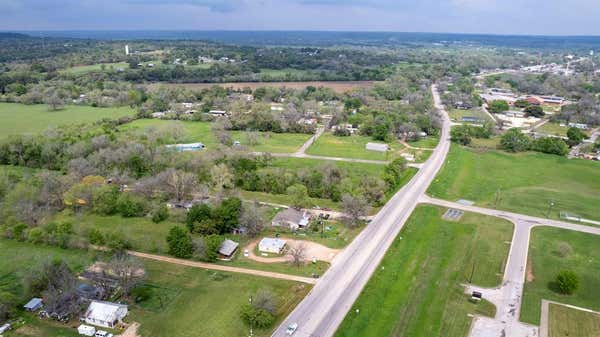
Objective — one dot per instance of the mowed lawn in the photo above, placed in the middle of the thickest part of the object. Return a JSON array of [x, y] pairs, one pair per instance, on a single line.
[[202, 132], [416, 290], [84, 69], [567, 322], [545, 262], [524, 183], [456, 115], [349, 147], [32, 119], [192, 302]]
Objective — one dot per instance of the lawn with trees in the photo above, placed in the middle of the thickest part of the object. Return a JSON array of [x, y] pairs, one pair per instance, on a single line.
[[528, 183], [416, 289], [209, 303], [555, 256]]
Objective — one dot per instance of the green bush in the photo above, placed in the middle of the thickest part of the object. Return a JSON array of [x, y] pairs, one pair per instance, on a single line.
[[180, 243], [160, 213], [515, 141], [105, 200], [96, 237], [567, 282], [130, 205], [498, 106], [256, 318]]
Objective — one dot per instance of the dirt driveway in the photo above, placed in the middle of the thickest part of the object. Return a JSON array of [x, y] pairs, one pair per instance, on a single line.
[[313, 251]]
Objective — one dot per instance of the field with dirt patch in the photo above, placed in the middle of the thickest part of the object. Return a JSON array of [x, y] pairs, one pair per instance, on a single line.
[[337, 86]]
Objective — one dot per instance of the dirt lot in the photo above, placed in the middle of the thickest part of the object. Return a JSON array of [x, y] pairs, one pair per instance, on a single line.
[[313, 251], [337, 86]]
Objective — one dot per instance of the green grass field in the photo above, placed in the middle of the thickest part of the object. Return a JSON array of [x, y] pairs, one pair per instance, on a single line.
[[349, 147], [525, 183], [203, 303], [82, 70], [553, 129], [31, 119], [202, 132], [429, 142], [545, 262], [419, 293], [456, 115], [567, 322], [352, 170], [143, 234]]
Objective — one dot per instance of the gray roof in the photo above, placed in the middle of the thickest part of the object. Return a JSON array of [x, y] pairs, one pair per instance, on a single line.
[[289, 215], [228, 247], [33, 303]]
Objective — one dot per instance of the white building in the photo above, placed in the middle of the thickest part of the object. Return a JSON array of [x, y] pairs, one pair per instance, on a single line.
[[105, 314], [380, 147], [186, 147], [271, 245], [86, 330]]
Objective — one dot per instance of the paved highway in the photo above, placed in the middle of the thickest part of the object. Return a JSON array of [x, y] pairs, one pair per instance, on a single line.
[[322, 311]]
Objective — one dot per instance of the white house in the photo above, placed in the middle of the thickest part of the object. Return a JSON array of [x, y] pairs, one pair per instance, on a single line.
[[271, 245], [218, 113], [380, 147], [105, 314]]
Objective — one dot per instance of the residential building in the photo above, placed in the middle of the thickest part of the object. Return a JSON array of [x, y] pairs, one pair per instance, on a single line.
[[105, 314], [186, 147], [271, 245], [227, 249], [380, 147], [292, 218], [34, 304]]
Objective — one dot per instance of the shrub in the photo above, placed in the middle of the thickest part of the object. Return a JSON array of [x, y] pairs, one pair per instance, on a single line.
[[515, 141], [95, 237], [551, 145], [130, 205], [105, 200], [498, 106], [567, 282], [160, 213], [36, 235], [256, 318], [534, 111], [564, 249], [180, 243]]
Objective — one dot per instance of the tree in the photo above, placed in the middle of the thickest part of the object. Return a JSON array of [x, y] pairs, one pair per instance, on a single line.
[[298, 253], [130, 205], [54, 100], [551, 145], [299, 195], [521, 103], [256, 318], [576, 136], [105, 200], [567, 282], [534, 111], [127, 270], [180, 243], [354, 208], [515, 141], [461, 135], [221, 177], [498, 106], [199, 217], [266, 300], [227, 214], [394, 171], [160, 213], [252, 219], [180, 185]]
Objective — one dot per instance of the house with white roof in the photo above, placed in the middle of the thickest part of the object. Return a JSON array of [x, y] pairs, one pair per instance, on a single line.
[[292, 218], [271, 245], [105, 314]]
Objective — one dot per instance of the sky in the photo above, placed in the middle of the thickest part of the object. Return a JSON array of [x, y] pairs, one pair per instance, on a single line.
[[538, 17]]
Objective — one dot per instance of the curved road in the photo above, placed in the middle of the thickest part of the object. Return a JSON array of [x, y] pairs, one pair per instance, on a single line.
[[322, 311]]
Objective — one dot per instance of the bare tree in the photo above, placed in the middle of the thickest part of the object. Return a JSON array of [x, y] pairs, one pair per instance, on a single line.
[[266, 300], [252, 137], [298, 253], [354, 208], [127, 270], [221, 177], [179, 184], [252, 218]]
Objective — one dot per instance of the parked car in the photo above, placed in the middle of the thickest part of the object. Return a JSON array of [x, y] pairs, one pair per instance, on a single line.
[[291, 329]]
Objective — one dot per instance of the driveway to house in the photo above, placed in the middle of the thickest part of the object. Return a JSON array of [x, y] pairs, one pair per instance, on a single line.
[[310, 142], [313, 251], [324, 308], [218, 267]]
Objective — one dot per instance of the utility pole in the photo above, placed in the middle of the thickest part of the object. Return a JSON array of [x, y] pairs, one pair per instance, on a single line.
[[550, 205], [251, 333]]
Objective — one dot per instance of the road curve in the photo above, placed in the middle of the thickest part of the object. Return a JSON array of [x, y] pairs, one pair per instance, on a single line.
[[324, 308]]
